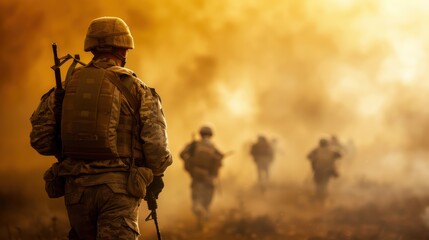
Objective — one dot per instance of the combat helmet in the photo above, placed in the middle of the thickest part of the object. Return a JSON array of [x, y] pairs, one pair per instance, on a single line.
[[323, 142], [262, 138], [206, 131], [107, 32]]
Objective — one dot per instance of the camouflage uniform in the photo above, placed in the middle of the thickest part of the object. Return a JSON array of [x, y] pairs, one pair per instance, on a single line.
[[97, 201], [202, 161], [322, 161], [263, 155]]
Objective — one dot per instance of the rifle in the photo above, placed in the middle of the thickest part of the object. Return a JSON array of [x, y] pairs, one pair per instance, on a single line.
[[56, 67], [152, 206], [60, 92], [59, 96]]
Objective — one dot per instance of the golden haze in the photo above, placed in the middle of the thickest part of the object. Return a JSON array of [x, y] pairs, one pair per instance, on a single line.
[[294, 70]]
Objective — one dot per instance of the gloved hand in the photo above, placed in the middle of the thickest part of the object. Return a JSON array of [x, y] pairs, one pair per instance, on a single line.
[[156, 186]]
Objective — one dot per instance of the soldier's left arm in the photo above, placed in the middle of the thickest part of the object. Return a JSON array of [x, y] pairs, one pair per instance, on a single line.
[[154, 132]]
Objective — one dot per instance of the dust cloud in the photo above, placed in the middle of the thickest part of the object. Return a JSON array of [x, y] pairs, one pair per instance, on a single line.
[[293, 70]]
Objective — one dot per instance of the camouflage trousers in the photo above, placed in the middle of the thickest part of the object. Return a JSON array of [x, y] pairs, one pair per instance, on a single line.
[[101, 211], [202, 194], [321, 180], [263, 173], [263, 167]]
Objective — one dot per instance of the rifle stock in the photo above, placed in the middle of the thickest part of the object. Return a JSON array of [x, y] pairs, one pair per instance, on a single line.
[[57, 67]]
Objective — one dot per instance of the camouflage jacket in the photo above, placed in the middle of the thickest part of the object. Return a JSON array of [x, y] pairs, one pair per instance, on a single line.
[[153, 131]]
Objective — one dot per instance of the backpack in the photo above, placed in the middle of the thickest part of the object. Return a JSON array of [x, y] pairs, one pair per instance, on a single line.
[[92, 125], [204, 157]]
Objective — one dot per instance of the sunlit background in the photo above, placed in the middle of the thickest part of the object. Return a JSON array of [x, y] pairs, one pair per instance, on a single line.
[[293, 70]]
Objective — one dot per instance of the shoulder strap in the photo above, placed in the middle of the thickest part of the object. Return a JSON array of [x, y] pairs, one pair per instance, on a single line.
[[76, 60], [124, 86], [124, 90]]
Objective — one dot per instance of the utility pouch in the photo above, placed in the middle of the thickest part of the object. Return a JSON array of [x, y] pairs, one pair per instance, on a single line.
[[138, 180], [54, 184]]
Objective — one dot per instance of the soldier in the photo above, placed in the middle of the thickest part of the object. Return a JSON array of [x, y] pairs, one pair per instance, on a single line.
[[263, 155], [322, 161], [202, 161], [113, 136]]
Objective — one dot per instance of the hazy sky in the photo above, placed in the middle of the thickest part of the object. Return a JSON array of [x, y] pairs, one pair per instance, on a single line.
[[295, 70]]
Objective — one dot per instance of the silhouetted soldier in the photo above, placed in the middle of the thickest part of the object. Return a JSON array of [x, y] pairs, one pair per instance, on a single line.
[[202, 161], [322, 161], [263, 155]]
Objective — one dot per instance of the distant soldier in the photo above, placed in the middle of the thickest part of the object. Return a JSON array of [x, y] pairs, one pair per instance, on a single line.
[[263, 155], [202, 161], [323, 160]]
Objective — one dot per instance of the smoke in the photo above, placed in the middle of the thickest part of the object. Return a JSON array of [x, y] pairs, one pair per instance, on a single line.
[[294, 70]]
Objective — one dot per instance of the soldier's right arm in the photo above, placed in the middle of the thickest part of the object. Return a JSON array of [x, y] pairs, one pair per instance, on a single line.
[[252, 150], [43, 133], [185, 153], [154, 132], [189, 150]]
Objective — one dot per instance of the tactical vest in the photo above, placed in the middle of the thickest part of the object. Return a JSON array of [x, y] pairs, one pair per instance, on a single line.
[[323, 159], [93, 126], [262, 149], [204, 156]]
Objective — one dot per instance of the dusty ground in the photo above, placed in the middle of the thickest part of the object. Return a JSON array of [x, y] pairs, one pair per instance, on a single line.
[[290, 212], [283, 211]]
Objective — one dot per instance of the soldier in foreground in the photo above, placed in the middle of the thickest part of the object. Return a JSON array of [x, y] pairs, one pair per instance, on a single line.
[[202, 161], [263, 155], [322, 160], [110, 139]]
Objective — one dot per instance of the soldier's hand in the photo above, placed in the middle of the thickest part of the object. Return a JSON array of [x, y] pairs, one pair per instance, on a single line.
[[156, 186]]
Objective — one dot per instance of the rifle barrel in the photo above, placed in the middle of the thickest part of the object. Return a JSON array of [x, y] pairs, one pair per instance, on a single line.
[[155, 219]]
